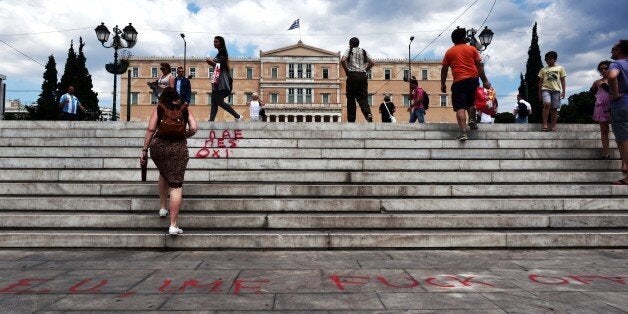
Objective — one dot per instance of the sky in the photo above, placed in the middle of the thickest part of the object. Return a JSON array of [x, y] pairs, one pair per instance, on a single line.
[[582, 32]]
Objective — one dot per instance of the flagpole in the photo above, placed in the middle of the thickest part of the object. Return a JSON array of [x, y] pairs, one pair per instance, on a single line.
[[299, 29]]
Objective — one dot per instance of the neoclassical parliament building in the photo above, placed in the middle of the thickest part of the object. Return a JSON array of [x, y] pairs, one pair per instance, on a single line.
[[298, 83]]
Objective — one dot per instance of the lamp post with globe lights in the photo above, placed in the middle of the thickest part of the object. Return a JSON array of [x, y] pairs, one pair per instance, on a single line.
[[125, 38]]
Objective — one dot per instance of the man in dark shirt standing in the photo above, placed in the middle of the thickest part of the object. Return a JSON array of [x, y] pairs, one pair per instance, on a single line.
[[356, 62]]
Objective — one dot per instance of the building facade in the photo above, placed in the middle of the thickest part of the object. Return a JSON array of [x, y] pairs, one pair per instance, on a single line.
[[299, 83]]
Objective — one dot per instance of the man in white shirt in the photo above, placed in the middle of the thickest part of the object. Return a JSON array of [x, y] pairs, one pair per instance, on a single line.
[[70, 105], [522, 110]]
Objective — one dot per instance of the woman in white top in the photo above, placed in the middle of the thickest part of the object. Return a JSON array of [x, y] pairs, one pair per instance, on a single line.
[[166, 79], [255, 105]]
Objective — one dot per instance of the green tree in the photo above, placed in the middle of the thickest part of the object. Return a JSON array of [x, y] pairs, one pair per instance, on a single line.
[[83, 86], [47, 105], [579, 109], [77, 75], [522, 86], [70, 73], [530, 86]]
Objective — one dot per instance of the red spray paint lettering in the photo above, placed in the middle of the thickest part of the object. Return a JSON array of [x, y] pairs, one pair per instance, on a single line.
[[219, 147], [92, 289], [579, 279], [240, 285], [24, 283]]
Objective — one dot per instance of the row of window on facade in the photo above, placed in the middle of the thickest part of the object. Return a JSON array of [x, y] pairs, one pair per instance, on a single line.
[[294, 96], [295, 70]]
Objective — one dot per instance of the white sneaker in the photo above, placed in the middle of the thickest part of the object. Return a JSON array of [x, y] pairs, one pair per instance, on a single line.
[[239, 119], [174, 230], [163, 212]]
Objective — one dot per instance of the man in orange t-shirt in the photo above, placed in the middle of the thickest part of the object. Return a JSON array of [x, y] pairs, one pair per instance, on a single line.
[[466, 67]]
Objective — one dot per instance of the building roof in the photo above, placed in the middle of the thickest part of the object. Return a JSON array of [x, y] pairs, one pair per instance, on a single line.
[[297, 50]]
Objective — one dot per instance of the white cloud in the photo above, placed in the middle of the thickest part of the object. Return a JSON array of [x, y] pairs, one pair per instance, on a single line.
[[581, 34]]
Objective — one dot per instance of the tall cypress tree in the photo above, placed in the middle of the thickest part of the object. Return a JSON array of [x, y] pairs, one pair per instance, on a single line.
[[70, 73], [522, 86], [47, 105], [531, 86], [83, 85]]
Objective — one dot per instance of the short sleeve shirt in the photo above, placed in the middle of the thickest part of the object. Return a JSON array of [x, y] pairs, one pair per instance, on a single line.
[[462, 59], [622, 79], [551, 78], [357, 63]]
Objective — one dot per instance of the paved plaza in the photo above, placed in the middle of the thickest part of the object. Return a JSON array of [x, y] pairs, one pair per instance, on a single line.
[[465, 281]]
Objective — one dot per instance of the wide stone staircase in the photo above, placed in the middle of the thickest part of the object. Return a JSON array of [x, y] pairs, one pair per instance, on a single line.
[[313, 186]]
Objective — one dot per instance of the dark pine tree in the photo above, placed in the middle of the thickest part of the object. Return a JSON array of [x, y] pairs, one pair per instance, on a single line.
[[531, 82], [83, 85], [47, 105], [70, 73]]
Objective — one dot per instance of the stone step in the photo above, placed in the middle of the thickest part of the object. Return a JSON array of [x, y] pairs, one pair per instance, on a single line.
[[364, 205], [310, 143], [198, 222], [127, 169], [311, 177], [313, 239], [250, 190], [313, 185], [315, 153], [327, 134], [311, 126]]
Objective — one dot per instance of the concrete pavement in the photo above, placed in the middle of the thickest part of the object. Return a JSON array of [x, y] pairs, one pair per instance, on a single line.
[[486, 281]]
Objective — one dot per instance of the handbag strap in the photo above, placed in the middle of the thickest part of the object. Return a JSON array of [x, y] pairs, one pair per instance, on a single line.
[[386, 106]]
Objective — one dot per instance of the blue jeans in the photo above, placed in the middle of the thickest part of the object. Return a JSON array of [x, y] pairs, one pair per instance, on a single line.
[[521, 120], [417, 114]]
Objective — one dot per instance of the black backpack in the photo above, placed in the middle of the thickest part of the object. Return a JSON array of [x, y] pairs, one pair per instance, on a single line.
[[426, 100], [522, 110]]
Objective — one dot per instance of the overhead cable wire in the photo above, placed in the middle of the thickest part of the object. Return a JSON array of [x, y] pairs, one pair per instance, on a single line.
[[47, 32], [431, 42], [4, 42], [489, 14]]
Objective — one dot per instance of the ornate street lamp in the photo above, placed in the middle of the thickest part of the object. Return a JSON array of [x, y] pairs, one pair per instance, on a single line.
[[125, 38], [486, 37]]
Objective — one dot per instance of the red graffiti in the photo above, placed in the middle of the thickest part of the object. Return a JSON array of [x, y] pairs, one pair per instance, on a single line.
[[340, 282], [588, 279], [94, 289], [345, 280], [447, 281], [212, 287], [219, 147], [413, 282], [468, 281], [194, 284], [126, 294], [24, 283], [548, 280], [239, 285], [581, 279], [165, 285], [432, 281]]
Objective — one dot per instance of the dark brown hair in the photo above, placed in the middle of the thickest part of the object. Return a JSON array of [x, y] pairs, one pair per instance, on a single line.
[[168, 95]]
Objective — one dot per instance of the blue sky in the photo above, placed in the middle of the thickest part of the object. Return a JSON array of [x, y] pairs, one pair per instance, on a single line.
[[581, 32]]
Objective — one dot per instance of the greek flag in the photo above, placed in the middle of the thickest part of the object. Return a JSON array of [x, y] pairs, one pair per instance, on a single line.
[[294, 25]]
